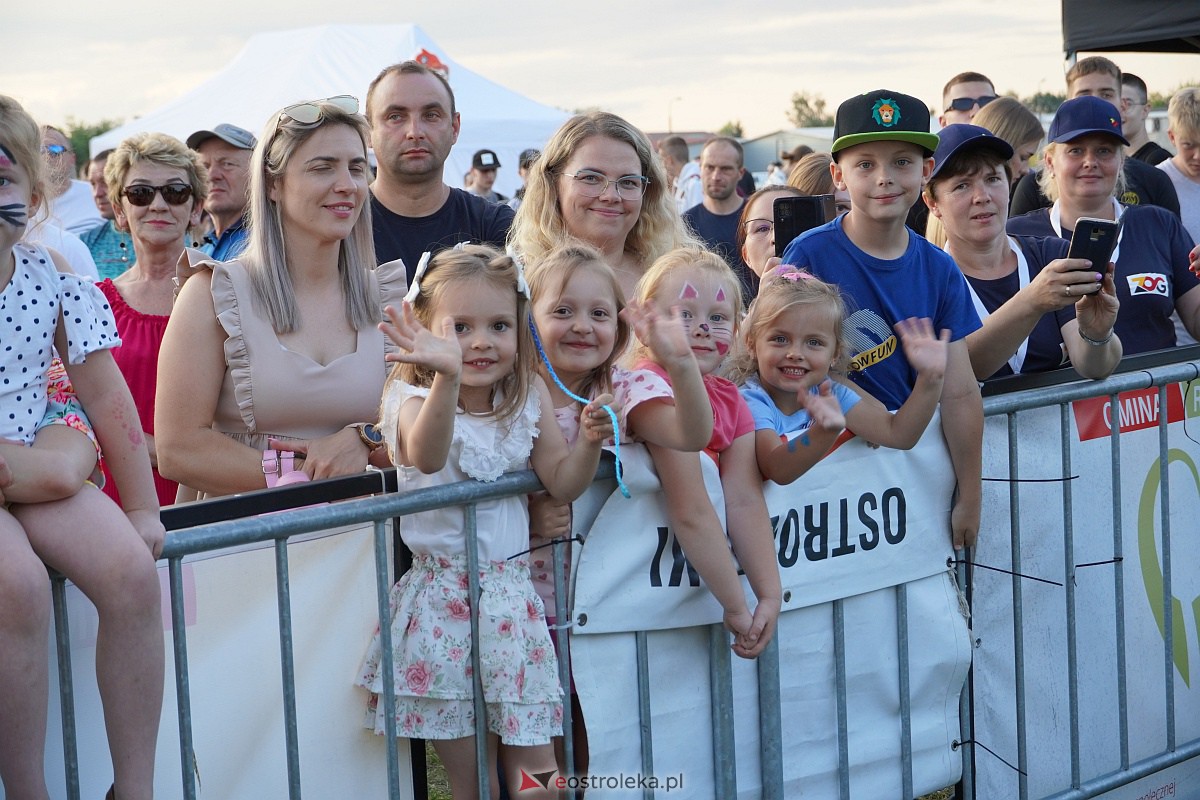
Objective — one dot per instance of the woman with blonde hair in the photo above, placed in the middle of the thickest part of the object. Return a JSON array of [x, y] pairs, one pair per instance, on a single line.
[[599, 181], [1008, 118], [276, 356]]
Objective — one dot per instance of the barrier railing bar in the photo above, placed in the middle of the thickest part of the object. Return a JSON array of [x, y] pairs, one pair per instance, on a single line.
[[839, 678], [995, 405], [1068, 500], [1114, 438], [906, 772], [1140, 769], [287, 663], [481, 750], [770, 726], [720, 683], [66, 684], [1164, 500], [383, 588], [183, 691], [644, 720], [1014, 521]]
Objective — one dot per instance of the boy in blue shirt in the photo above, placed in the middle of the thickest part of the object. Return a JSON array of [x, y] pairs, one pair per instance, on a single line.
[[882, 156]]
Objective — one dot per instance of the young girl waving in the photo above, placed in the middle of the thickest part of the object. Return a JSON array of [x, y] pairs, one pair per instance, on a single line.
[[708, 297], [791, 340], [69, 526], [465, 402]]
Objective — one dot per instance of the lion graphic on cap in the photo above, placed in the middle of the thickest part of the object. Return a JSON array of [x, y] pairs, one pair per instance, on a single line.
[[886, 112]]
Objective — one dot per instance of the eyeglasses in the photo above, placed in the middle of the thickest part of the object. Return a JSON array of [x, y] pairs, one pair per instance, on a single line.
[[141, 194], [759, 227], [967, 103], [310, 112], [594, 184], [54, 150]]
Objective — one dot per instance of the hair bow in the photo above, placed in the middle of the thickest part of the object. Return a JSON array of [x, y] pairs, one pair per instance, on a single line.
[[522, 284], [791, 273], [415, 289]]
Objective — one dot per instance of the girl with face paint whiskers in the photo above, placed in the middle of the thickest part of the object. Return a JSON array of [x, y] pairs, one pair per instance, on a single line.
[[707, 297], [53, 519]]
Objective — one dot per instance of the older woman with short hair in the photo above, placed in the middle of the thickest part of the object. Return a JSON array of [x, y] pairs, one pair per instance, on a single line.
[[1083, 177], [599, 181], [277, 356], [157, 188]]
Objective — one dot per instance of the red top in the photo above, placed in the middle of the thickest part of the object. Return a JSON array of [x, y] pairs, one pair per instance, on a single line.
[[731, 415], [137, 357]]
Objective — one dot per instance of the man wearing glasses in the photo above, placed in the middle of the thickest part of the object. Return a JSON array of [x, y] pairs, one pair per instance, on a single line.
[[1144, 185], [964, 95], [1135, 108], [414, 123]]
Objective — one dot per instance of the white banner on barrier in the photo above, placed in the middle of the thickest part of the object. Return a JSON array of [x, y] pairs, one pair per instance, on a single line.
[[1095, 567], [236, 678], [860, 523]]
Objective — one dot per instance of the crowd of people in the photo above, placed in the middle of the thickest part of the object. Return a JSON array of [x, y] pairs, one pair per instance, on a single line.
[[236, 312]]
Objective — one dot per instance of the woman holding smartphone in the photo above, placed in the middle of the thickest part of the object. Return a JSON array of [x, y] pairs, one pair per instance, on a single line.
[[1039, 308], [1082, 176]]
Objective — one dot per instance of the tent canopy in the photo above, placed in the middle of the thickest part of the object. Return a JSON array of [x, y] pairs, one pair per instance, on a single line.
[[1157, 26], [284, 67]]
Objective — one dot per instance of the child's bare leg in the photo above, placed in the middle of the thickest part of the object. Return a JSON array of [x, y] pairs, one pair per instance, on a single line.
[[54, 468], [89, 539], [533, 760], [24, 668], [458, 757]]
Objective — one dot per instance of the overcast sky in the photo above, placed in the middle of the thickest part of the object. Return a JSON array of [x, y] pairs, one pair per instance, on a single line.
[[703, 62]]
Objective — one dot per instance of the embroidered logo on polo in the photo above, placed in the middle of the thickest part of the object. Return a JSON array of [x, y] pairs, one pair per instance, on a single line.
[[1149, 283], [886, 112], [870, 339]]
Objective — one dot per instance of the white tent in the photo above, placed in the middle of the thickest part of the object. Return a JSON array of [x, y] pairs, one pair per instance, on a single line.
[[283, 67]]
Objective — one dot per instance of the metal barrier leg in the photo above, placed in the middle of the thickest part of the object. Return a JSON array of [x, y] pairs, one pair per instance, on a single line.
[[843, 725], [383, 588], [563, 640], [183, 695], [906, 756], [66, 685], [770, 726], [288, 664], [1168, 606], [720, 682], [1068, 495], [644, 718], [1119, 579], [481, 750], [1014, 518]]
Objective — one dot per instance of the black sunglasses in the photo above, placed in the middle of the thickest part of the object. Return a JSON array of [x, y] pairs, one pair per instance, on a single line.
[[141, 194], [965, 103]]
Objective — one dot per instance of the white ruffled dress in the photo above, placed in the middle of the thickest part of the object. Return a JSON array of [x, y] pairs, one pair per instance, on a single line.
[[430, 606]]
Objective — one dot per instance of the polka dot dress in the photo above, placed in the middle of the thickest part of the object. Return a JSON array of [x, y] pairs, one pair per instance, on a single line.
[[29, 311]]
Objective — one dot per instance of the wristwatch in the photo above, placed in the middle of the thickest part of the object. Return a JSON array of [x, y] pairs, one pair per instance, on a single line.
[[370, 434]]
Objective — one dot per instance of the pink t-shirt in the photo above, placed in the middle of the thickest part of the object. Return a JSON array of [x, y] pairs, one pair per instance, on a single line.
[[731, 415]]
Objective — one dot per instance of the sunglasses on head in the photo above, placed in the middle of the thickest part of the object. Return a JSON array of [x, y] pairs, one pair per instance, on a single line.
[[310, 112], [966, 103], [140, 194]]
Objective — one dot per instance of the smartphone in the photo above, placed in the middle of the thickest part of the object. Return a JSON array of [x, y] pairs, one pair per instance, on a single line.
[[795, 215], [1094, 239]]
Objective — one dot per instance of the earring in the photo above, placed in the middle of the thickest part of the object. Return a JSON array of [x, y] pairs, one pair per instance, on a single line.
[[124, 251]]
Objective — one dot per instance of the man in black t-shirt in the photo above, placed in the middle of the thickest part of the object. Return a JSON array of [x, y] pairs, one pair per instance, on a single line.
[[1144, 184], [414, 124], [715, 218], [1135, 109]]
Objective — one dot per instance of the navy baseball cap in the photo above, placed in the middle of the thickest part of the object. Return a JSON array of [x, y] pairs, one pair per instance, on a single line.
[[953, 139], [238, 137], [1083, 115], [882, 115]]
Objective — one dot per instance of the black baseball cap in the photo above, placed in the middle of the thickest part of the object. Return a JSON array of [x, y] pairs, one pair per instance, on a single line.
[[882, 115], [953, 139], [485, 159], [238, 137]]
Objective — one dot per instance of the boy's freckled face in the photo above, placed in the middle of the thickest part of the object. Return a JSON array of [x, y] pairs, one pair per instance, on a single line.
[[883, 178]]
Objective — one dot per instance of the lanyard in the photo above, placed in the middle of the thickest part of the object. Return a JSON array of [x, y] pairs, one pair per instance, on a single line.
[[1018, 359], [1118, 210]]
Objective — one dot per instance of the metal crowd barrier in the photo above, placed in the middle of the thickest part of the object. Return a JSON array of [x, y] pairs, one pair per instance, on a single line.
[[224, 523]]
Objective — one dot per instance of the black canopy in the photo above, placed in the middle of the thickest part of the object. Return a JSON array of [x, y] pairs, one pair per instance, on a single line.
[[1158, 26]]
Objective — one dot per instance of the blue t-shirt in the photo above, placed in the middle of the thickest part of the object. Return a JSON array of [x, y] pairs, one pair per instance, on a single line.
[[768, 417], [230, 244], [924, 282], [1045, 348], [1152, 272]]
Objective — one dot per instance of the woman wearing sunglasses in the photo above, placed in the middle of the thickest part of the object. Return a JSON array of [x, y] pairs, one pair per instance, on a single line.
[[276, 358], [158, 188]]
